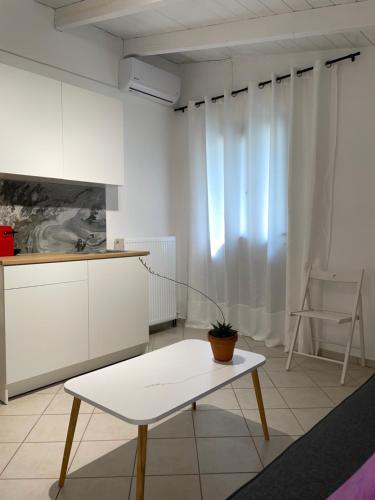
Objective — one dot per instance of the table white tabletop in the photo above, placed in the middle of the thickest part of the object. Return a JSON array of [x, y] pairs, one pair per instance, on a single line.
[[145, 389]]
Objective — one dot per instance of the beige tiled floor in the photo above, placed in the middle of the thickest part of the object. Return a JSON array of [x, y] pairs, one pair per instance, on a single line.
[[201, 455]]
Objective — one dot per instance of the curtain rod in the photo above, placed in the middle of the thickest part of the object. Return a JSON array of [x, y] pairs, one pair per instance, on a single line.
[[261, 85]]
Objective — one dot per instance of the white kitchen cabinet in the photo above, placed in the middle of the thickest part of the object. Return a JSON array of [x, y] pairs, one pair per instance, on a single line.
[[59, 319], [118, 305], [30, 124], [46, 328], [92, 136]]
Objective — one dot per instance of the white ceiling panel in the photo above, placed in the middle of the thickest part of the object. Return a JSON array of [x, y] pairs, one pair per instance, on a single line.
[[353, 40], [185, 14], [147, 23], [358, 39], [277, 6], [211, 55], [370, 34], [321, 3], [188, 14], [234, 8], [194, 13], [296, 5], [257, 7], [339, 40], [341, 2], [178, 58], [320, 42], [55, 4]]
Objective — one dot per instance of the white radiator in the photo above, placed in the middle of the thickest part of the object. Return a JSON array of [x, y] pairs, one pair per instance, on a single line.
[[162, 259]]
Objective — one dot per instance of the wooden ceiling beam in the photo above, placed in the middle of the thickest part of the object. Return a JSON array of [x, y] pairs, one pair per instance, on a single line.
[[314, 22], [95, 11]]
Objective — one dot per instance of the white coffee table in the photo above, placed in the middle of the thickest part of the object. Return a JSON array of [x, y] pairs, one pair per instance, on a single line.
[[145, 389]]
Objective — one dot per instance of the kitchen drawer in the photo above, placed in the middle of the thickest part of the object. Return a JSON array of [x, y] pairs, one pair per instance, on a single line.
[[29, 275]]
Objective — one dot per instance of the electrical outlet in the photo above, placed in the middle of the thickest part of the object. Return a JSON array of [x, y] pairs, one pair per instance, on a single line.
[[119, 244]]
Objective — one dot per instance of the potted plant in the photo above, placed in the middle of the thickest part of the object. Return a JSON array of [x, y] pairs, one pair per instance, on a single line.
[[222, 338]]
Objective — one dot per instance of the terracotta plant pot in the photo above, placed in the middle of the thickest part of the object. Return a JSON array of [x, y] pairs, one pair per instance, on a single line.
[[222, 348]]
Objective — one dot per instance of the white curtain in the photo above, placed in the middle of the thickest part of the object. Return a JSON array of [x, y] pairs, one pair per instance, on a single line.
[[255, 163]]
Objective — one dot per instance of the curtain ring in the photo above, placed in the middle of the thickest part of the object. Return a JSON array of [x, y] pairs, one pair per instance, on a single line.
[[299, 73], [328, 65], [278, 80], [260, 86]]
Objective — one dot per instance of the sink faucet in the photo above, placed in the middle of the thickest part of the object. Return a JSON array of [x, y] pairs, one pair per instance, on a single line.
[[80, 244]]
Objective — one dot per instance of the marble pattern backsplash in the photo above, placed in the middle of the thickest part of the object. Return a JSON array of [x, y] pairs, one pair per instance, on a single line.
[[51, 217]]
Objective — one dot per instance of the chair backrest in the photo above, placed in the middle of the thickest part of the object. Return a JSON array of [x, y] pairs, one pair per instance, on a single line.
[[339, 277], [349, 277]]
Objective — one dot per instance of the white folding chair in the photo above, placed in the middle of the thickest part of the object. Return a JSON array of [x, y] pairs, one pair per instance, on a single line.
[[306, 311]]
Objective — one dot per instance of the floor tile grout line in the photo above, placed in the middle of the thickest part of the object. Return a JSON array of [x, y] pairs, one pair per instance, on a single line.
[[331, 398], [27, 435], [300, 423], [250, 434]]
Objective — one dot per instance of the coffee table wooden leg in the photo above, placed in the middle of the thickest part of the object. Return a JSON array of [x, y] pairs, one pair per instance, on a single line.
[[258, 394], [141, 461], [194, 405], [69, 439]]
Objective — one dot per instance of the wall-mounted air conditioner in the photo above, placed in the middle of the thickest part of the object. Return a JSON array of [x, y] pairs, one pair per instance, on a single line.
[[149, 81]]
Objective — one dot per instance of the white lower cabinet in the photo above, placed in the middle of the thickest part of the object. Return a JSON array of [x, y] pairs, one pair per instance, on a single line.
[[69, 316], [46, 328], [118, 305]]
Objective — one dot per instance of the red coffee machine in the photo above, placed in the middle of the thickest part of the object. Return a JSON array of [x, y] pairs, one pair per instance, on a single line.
[[6, 241]]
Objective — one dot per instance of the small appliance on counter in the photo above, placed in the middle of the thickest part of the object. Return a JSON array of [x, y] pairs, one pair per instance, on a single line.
[[7, 241]]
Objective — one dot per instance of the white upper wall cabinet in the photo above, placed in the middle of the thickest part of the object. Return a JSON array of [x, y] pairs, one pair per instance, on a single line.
[[30, 124], [92, 136], [53, 130]]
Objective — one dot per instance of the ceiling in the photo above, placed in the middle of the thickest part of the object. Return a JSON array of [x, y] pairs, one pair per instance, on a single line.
[[351, 40], [55, 4], [182, 15]]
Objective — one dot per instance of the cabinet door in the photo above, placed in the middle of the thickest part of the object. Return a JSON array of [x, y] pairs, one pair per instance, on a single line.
[[92, 136], [46, 328], [30, 124], [118, 305]]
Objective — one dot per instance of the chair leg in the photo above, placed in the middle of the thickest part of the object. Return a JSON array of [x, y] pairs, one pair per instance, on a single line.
[[361, 333], [314, 337], [293, 343], [347, 352], [313, 331], [69, 439], [141, 461]]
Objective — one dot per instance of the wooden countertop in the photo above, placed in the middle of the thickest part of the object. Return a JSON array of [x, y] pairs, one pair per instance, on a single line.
[[43, 258]]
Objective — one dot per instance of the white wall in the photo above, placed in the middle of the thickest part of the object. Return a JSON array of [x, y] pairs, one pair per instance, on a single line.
[[89, 57], [142, 206], [353, 238], [27, 30]]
